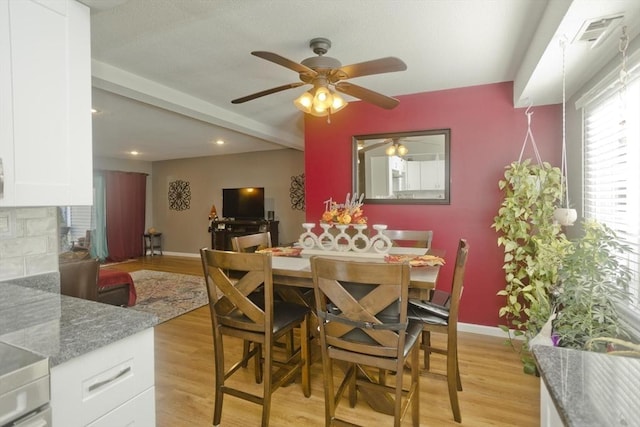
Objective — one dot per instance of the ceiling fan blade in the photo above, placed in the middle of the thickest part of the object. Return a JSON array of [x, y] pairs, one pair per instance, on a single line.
[[267, 92], [372, 146], [376, 66], [287, 63], [367, 95]]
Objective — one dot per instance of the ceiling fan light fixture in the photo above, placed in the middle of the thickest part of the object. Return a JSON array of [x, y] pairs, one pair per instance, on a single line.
[[396, 150], [323, 99], [320, 101], [304, 102], [338, 103]]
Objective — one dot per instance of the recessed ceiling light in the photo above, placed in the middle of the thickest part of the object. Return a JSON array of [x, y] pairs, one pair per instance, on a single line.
[[94, 111], [134, 153], [220, 142]]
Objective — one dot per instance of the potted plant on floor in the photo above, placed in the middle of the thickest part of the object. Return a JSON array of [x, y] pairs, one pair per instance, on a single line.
[[534, 246]]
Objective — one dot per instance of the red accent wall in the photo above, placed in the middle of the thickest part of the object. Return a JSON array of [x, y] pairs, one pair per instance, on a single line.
[[487, 134]]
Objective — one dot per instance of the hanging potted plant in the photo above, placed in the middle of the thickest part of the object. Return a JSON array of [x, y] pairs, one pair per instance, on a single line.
[[534, 246], [564, 215]]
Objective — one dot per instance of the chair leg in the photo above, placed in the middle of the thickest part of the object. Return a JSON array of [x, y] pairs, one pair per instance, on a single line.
[[415, 382], [397, 403], [245, 352], [289, 343], [329, 398], [267, 380], [353, 396], [305, 351], [219, 383], [453, 380], [459, 382], [257, 360], [426, 347]]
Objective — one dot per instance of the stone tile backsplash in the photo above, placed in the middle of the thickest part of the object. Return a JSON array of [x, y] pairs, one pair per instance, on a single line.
[[28, 241]]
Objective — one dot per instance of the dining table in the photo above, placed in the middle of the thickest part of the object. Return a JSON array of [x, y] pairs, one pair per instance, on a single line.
[[296, 270]]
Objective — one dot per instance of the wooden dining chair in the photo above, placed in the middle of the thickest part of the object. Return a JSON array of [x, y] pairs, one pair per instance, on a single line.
[[234, 314], [251, 242], [440, 314], [411, 238], [364, 324]]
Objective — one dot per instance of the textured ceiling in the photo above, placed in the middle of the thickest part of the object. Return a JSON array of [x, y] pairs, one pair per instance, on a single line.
[[165, 71]]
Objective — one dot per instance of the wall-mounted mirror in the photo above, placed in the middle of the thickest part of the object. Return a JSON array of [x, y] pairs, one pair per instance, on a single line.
[[402, 167]]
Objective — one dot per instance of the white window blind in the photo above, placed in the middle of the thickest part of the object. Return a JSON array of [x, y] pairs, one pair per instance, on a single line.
[[81, 221], [612, 166]]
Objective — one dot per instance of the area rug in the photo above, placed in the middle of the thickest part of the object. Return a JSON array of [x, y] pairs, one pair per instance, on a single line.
[[168, 295]]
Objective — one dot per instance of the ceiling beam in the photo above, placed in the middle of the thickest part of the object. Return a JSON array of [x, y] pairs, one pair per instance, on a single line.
[[124, 83], [529, 76]]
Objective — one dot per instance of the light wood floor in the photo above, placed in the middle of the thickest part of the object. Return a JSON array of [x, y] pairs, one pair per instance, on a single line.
[[496, 391]]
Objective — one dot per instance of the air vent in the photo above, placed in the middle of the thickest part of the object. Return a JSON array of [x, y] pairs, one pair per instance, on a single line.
[[594, 31]]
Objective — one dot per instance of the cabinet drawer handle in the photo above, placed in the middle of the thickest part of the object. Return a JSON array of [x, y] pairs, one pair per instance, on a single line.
[[108, 380]]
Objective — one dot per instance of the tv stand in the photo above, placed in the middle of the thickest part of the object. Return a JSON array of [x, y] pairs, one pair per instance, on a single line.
[[223, 230]]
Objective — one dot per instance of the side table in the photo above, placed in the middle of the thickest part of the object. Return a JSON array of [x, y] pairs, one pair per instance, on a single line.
[[152, 242]]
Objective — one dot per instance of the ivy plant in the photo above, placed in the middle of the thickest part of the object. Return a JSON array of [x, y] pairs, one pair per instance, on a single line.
[[534, 247]]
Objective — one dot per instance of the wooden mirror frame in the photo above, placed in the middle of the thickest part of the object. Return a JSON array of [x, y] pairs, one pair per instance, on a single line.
[[437, 190]]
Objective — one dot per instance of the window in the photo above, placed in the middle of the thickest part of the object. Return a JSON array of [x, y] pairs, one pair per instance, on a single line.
[[612, 166]]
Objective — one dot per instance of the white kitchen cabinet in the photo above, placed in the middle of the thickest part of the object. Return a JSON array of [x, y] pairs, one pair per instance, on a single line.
[[425, 175], [45, 106], [129, 413], [549, 416], [432, 175], [380, 183], [413, 175], [112, 386], [397, 165]]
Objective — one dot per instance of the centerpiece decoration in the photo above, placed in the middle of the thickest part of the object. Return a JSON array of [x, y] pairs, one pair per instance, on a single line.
[[344, 227], [348, 213]]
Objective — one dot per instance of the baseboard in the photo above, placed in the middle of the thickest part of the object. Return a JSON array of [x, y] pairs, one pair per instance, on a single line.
[[493, 331], [197, 255]]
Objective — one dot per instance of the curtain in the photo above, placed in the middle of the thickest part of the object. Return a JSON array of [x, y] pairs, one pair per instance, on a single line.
[[125, 203], [99, 238]]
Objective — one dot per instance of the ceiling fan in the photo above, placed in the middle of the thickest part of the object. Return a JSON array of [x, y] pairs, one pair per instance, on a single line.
[[396, 147], [324, 72]]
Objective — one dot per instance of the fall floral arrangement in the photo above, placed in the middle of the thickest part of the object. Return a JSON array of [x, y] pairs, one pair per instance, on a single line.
[[349, 212]]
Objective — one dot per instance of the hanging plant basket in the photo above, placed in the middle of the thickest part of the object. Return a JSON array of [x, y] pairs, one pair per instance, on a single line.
[[565, 216]]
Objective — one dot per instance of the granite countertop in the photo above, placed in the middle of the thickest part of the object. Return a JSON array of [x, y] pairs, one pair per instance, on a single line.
[[61, 327], [591, 389]]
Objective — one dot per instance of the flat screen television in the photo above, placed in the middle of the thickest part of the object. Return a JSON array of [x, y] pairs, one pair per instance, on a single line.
[[243, 203]]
